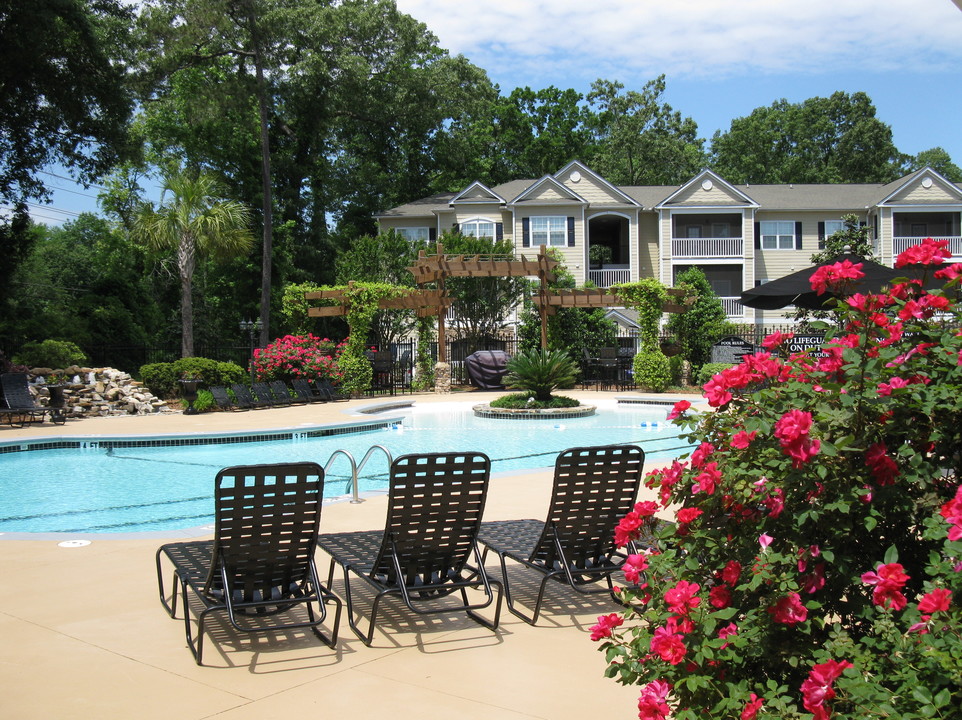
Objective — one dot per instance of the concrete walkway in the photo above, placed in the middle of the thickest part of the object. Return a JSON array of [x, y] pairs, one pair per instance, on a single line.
[[84, 635]]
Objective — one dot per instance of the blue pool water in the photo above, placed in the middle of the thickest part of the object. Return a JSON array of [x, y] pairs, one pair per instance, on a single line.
[[168, 488]]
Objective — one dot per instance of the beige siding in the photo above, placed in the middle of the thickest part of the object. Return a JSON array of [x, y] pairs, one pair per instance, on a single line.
[[647, 247], [594, 192], [918, 195], [696, 195], [545, 192], [573, 257]]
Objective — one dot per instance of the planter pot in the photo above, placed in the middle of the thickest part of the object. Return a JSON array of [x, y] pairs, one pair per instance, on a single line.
[[57, 401], [188, 391]]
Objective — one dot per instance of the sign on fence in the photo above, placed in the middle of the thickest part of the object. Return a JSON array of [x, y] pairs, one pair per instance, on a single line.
[[730, 349], [807, 343]]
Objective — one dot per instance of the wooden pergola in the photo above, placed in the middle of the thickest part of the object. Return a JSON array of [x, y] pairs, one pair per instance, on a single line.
[[440, 266]]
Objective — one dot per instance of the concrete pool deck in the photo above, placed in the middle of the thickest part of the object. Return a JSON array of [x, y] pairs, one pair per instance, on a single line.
[[84, 635]]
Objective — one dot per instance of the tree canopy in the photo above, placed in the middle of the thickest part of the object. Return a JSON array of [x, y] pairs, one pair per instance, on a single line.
[[63, 96], [821, 140]]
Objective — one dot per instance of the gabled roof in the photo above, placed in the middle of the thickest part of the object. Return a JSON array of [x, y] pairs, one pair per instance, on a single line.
[[577, 169], [478, 193], [913, 189], [548, 183], [722, 193]]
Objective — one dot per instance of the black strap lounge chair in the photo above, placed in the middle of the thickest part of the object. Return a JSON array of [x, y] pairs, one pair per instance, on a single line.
[[594, 487], [260, 563], [329, 391], [245, 399], [222, 398], [434, 512], [282, 394], [306, 393], [17, 400], [263, 395]]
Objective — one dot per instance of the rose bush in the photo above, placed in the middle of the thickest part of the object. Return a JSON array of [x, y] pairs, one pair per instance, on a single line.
[[298, 356], [814, 565]]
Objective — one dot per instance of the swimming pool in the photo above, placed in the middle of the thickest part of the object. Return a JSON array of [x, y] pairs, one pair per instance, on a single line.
[[134, 489]]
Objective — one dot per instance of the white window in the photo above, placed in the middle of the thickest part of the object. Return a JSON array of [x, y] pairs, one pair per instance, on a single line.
[[549, 230], [832, 227], [478, 228], [778, 235], [414, 234]]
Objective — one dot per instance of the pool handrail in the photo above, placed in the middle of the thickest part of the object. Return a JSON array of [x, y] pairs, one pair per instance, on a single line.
[[356, 468]]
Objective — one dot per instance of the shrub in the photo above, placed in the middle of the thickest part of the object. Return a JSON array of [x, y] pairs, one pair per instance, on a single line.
[[813, 567], [709, 370], [652, 370], [356, 373], [162, 378], [517, 401], [540, 372], [297, 356], [50, 354], [204, 402]]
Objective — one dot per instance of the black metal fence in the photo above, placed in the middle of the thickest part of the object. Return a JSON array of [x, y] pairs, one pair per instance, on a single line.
[[131, 357]]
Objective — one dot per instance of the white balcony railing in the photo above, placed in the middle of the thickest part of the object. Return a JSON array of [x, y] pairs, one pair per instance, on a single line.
[[607, 277], [899, 244], [733, 307], [707, 247]]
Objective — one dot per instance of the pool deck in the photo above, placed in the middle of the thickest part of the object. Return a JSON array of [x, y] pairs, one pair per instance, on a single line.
[[84, 635]]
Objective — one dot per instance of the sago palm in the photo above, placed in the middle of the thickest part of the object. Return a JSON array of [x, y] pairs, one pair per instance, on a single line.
[[540, 372], [193, 219]]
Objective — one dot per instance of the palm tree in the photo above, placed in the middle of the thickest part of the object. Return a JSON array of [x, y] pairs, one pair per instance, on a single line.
[[196, 220]]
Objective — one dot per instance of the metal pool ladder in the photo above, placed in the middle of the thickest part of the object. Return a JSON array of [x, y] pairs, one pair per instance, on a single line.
[[356, 467]]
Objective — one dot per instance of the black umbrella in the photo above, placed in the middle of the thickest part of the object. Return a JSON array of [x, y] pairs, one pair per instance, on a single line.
[[796, 289]]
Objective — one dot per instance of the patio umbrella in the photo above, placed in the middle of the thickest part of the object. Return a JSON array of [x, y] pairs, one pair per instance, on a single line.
[[796, 289]]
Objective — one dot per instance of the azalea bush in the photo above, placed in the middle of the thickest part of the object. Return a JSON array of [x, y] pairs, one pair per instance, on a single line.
[[298, 356], [813, 567]]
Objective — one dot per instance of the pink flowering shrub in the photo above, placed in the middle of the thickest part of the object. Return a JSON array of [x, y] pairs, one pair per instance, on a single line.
[[298, 356], [813, 567]]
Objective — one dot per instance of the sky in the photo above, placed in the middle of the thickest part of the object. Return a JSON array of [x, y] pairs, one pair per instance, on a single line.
[[721, 58]]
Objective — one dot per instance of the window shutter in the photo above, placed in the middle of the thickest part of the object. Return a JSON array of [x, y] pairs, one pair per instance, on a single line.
[[456, 227], [821, 234], [758, 236], [571, 232], [525, 232], [798, 235], [499, 231], [432, 234]]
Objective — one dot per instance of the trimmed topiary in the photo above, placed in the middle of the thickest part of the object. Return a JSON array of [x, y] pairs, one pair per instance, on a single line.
[[652, 370]]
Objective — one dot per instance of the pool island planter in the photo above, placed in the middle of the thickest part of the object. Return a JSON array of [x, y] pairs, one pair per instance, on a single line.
[[486, 411]]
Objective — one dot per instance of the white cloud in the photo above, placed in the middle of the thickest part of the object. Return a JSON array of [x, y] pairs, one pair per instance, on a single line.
[[695, 38]]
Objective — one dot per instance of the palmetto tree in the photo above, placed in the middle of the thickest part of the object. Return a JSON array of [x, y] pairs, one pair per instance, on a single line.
[[196, 220]]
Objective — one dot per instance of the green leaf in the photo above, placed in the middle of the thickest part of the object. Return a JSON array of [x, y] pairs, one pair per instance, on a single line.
[[870, 523], [891, 555]]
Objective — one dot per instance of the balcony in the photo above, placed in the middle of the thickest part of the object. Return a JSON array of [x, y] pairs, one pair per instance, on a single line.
[[707, 247], [610, 275], [733, 307], [899, 244]]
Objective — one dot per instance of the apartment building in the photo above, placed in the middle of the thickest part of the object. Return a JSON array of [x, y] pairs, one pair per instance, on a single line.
[[739, 235]]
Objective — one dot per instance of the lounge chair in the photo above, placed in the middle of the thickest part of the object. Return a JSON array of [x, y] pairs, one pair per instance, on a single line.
[[305, 392], [325, 388], [222, 398], [594, 487], [245, 399], [263, 395], [261, 561], [17, 400], [282, 395], [434, 511]]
